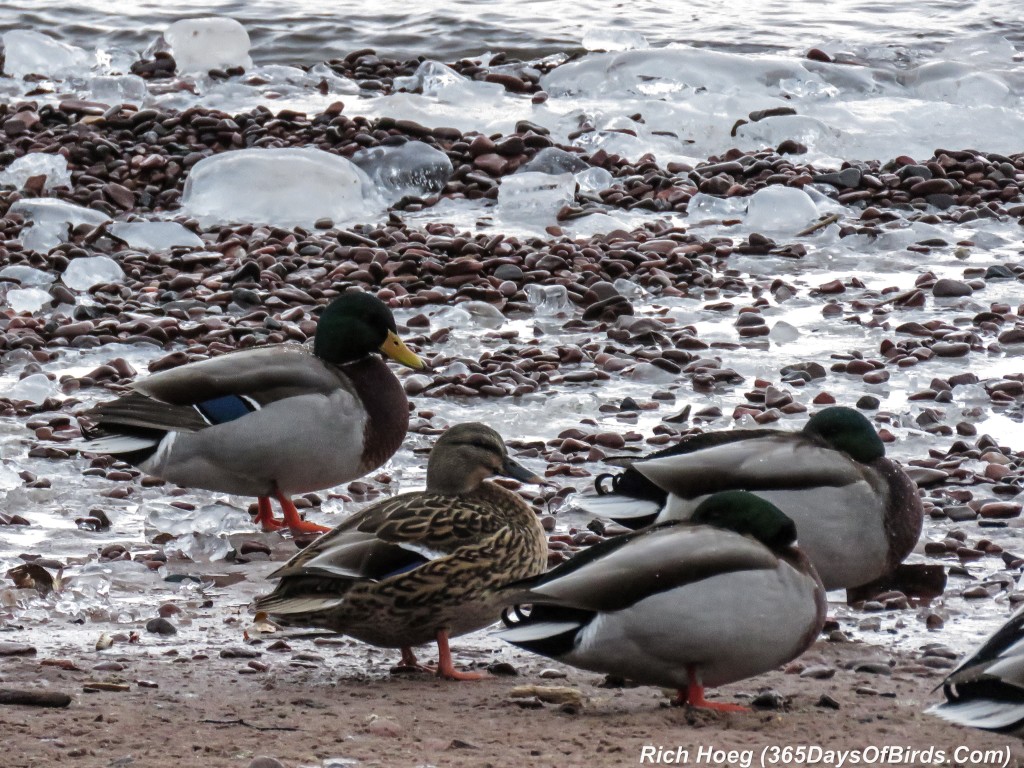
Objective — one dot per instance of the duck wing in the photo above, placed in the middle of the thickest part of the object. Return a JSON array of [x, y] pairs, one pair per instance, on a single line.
[[987, 689], [759, 461], [221, 389], [619, 572], [392, 537]]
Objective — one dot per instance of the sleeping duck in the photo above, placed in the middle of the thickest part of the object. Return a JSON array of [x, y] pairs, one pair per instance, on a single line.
[[420, 567], [857, 513], [987, 689], [682, 604], [272, 421]]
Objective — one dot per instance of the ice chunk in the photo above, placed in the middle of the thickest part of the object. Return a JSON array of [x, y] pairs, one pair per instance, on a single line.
[[594, 179], [413, 168], [86, 271], [155, 235], [209, 520], [34, 388], [607, 39], [118, 89], [549, 299], [32, 53], [284, 187], [554, 160], [210, 42], [28, 299], [783, 332], [437, 80], [772, 131], [651, 374], [534, 197], [51, 220], [54, 167], [780, 209], [27, 277], [703, 207]]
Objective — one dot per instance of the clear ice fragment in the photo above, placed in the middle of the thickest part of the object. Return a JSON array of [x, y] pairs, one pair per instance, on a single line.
[[155, 236], [284, 187], [412, 169], [210, 42], [86, 271], [54, 167], [33, 53], [534, 197]]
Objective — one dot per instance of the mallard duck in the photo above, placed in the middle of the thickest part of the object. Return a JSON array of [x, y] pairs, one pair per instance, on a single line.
[[271, 421], [682, 604], [857, 513], [987, 689], [422, 566]]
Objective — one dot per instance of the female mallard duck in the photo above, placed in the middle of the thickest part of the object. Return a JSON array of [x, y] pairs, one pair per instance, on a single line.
[[422, 566], [856, 512], [719, 598], [987, 689], [271, 421]]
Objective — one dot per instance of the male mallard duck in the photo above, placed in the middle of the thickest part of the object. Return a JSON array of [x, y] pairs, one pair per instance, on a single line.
[[856, 512], [271, 421], [987, 689], [683, 604], [422, 566]]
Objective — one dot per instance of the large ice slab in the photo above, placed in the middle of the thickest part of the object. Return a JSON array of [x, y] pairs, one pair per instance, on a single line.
[[780, 209], [53, 167], [52, 219], [155, 235], [210, 42], [534, 197], [285, 187], [84, 272], [413, 168], [33, 53]]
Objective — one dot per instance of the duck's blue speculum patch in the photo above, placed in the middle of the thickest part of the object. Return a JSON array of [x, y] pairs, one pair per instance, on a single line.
[[227, 408]]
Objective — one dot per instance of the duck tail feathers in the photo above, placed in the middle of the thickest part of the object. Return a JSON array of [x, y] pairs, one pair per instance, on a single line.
[[117, 444], [986, 713], [632, 513], [282, 607]]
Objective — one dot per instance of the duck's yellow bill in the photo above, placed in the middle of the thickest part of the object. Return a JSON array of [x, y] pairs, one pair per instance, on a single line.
[[395, 348]]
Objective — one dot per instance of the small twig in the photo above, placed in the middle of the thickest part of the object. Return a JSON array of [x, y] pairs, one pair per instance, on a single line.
[[832, 218], [250, 725]]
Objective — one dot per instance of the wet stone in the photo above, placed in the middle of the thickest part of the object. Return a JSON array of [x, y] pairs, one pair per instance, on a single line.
[[161, 626]]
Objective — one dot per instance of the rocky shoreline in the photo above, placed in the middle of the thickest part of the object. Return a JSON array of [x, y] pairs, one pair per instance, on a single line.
[[253, 284]]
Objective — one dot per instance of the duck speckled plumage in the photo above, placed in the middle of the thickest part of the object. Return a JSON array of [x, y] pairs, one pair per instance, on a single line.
[[271, 421], [422, 566], [857, 513], [682, 604], [987, 689]]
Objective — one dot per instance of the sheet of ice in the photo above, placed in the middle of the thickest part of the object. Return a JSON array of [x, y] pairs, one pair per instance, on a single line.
[[118, 89], [554, 160], [594, 179], [51, 220], [86, 271], [32, 53], [28, 300], [780, 209], [610, 39], [285, 187], [535, 197], [34, 388], [412, 169], [27, 277], [439, 81], [549, 299], [210, 42], [155, 235], [54, 167]]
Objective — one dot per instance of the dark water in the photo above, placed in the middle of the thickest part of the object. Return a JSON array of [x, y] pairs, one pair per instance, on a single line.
[[303, 31]]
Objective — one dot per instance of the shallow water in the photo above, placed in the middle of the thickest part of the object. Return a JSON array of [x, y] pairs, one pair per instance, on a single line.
[[303, 31]]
